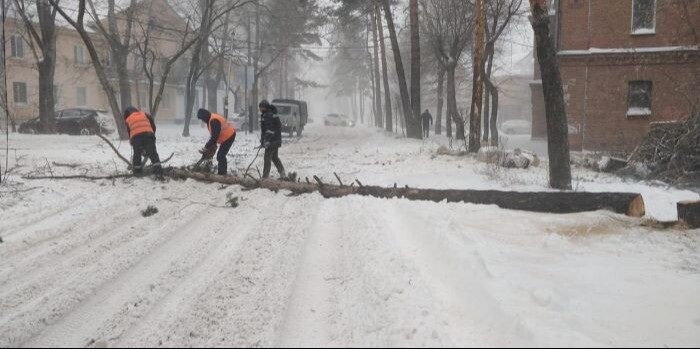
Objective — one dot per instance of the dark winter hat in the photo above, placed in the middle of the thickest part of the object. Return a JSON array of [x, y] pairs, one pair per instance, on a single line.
[[129, 110], [264, 104], [203, 115]]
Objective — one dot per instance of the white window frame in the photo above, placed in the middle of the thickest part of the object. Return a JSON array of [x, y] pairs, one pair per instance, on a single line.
[[16, 45], [645, 31], [14, 93], [77, 96]]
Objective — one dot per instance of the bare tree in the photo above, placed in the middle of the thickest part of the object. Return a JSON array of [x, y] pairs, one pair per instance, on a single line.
[[447, 24], [500, 15], [555, 109], [478, 79], [118, 37], [45, 38], [78, 22], [379, 116], [388, 113], [441, 101], [415, 124], [154, 62], [413, 132], [210, 14]]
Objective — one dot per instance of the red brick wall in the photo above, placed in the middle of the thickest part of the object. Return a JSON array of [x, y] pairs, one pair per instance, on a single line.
[[611, 24], [597, 86], [605, 122]]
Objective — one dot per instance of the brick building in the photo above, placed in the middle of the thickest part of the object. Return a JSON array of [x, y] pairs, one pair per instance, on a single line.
[[625, 64]]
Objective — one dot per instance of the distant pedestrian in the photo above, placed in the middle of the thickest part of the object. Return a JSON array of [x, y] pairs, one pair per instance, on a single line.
[[427, 122]]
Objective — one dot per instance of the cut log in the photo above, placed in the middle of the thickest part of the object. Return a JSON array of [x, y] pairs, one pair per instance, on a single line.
[[630, 204], [689, 213]]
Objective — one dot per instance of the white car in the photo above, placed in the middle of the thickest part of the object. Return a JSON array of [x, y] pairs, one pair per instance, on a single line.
[[516, 127], [338, 120]]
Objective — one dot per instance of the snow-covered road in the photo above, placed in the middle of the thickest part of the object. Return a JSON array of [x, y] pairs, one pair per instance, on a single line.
[[80, 266]]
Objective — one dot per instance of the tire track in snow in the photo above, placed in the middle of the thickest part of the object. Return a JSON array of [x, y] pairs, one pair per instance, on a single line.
[[456, 273], [310, 308], [83, 322], [176, 296], [65, 284], [244, 304]]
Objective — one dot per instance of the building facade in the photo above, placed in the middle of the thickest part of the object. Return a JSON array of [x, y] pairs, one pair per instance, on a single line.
[[625, 64], [76, 84]]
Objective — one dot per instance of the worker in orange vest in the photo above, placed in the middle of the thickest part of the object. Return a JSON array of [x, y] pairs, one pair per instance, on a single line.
[[142, 136], [222, 133]]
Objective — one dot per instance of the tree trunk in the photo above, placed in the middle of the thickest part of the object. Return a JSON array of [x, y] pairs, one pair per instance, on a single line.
[[121, 61], [452, 110], [47, 66], [494, 115], [440, 100], [415, 123], [557, 124], [478, 85], [388, 113], [378, 116], [401, 73], [487, 95], [689, 213], [47, 103], [630, 204]]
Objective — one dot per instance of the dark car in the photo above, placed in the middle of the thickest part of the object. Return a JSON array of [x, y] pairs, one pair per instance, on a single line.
[[75, 122]]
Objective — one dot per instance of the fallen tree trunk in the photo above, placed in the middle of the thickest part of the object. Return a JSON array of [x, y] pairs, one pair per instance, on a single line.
[[689, 213], [548, 202]]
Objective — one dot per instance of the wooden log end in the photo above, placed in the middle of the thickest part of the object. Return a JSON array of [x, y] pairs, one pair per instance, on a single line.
[[637, 208], [689, 213]]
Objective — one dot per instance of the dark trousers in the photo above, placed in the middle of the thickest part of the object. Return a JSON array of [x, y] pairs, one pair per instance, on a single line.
[[426, 131], [145, 143], [272, 156], [221, 155]]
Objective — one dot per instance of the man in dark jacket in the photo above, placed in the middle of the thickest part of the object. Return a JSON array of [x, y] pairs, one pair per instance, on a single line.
[[427, 122], [271, 138], [222, 133], [142, 136]]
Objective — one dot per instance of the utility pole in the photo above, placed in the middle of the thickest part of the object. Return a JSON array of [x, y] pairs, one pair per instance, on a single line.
[[478, 86], [247, 107], [5, 107]]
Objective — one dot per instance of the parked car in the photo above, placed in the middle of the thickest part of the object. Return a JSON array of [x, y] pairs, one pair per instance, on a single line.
[[338, 120], [76, 122], [516, 127], [240, 121]]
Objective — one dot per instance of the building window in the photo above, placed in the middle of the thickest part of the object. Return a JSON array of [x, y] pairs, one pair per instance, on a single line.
[[639, 99], [19, 92], [81, 96], [16, 47], [643, 17], [79, 53]]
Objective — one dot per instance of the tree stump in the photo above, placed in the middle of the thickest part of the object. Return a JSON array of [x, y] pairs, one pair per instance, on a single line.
[[689, 213]]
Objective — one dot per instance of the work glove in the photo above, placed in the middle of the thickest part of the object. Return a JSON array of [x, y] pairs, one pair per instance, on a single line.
[[208, 153]]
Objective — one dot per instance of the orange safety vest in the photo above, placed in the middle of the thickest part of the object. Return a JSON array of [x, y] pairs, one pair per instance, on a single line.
[[227, 131], [138, 123]]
